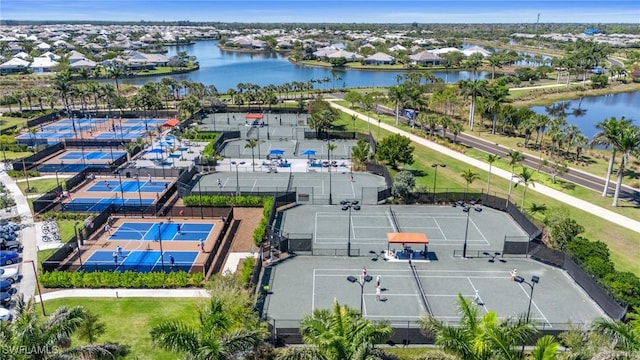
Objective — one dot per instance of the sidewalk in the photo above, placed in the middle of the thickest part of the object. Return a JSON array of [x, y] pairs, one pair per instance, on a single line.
[[547, 191], [124, 293]]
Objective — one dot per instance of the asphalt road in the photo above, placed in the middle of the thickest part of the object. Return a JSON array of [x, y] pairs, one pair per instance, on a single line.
[[588, 181]]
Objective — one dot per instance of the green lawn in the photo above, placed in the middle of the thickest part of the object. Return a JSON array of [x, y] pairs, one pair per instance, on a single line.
[[624, 244], [6, 122], [128, 320], [39, 186]]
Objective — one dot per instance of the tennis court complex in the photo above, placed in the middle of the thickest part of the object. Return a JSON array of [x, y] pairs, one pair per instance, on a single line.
[[140, 261], [174, 231], [154, 186]]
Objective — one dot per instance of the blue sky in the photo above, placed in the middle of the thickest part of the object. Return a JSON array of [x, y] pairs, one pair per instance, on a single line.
[[345, 11]]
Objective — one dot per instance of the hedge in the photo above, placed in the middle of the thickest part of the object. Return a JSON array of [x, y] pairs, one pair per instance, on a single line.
[[223, 200], [247, 270], [260, 230], [115, 279]]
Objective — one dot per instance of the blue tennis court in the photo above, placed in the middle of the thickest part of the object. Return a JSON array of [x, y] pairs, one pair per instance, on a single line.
[[63, 168], [165, 232], [140, 261], [120, 135], [92, 155], [129, 186], [99, 204]]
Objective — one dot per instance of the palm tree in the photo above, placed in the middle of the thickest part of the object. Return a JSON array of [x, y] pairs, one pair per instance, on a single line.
[[473, 88], [251, 144], [339, 334], [469, 176], [624, 336], [491, 158], [627, 141], [514, 157], [479, 338], [396, 95], [455, 129], [51, 336], [525, 177], [546, 348], [213, 338], [116, 72], [608, 131]]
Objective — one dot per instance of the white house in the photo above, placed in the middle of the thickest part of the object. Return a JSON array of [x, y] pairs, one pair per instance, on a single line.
[[15, 65], [42, 64], [43, 46], [476, 50], [426, 58], [379, 58]]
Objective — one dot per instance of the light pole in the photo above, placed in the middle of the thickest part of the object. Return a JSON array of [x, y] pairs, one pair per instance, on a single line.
[[33, 266], [237, 177], [466, 209], [140, 196], [435, 177], [160, 240], [361, 282], [348, 205], [534, 280], [124, 210], [57, 181]]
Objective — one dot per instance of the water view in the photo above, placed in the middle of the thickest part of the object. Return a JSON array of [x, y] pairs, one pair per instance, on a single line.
[[586, 113], [226, 69]]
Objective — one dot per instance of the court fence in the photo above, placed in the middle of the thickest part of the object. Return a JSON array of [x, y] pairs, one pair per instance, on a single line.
[[33, 160], [287, 331], [209, 262], [601, 295], [47, 200], [43, 119]]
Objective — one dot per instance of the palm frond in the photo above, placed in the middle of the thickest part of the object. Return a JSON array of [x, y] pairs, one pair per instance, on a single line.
[[175, 336]]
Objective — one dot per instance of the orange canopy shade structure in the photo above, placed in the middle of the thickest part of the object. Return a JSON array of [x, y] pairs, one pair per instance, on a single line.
[[253, 116], [407, 238], [171, 122]]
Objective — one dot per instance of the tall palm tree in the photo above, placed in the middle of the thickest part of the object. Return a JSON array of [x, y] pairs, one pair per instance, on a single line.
[[251, 144], [491, 158], [546, 348], [339, 334], [525, 177], [473, 89], [514, 158], [624, 336], [115, 72], [608, 131], [51, 336], [213, 338], [396, 95], [469, 176], [627, 141], [479, 338]]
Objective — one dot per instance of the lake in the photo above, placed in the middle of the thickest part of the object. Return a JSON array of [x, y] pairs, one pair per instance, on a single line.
[[226, 69], [600, 108]]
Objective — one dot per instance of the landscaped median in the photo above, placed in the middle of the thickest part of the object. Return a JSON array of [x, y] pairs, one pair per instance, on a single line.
[[116, 279]]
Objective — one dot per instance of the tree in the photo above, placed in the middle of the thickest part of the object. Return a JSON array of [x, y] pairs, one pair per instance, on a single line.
[[479, 338], [627, 141], [353, 97], [91, 328], [115, 72], [403, 184], [525, 177], [562, 228], [513, 157], [609, 130], [469, 177], [322, 115], [339, 334], [215, 336], [51, 336], [251, 144], [395, 149], [491, 158], [623, 336], [546, 348], [396, 95], [360, 152], [473, 89]]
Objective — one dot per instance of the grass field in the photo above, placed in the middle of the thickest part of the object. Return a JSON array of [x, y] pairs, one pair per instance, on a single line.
[[128, 320], [39, 186], [6, 122], [624, 244]]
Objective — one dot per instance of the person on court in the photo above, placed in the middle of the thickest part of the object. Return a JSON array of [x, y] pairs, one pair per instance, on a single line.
[[172, 260], [378, 293], [378, 278]]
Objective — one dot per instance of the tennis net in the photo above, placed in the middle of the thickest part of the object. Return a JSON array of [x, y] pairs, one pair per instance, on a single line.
[[425, 302], [394, 219]]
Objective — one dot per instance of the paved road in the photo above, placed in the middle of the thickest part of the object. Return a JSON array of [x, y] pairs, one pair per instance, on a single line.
[[575, 176], [545, 190]]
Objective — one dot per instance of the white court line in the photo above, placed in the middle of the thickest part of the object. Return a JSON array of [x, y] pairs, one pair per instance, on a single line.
[[315, 230], [349, 270], [313, 291], [352, 230], [481, 234], [255, 182], [534, 304], [439, 228], [370, 227]]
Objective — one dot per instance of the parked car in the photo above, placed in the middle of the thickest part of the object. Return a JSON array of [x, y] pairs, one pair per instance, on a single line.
[[13, 245], [5, 285], [5, 314], [5, 299], [9, 274], [8, 257]]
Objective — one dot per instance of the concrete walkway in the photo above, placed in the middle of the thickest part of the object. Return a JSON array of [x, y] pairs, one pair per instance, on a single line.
[[27, 235], [547, 191], [124, 293]]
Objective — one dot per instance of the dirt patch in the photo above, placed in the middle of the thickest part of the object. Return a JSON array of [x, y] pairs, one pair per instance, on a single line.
[[249, 220]]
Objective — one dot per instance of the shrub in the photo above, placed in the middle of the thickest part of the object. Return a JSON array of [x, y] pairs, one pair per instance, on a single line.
[[16, 174], [115, 279], [223, 200], [246, 271], [261, 229]]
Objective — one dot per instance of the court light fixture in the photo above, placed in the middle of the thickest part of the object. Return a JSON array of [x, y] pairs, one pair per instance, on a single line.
[[348, 205]]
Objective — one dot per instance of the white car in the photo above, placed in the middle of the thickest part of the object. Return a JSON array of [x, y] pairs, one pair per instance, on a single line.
[[5, 315], [9, 274]]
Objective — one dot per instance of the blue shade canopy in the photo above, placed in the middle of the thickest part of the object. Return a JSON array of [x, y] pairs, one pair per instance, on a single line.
[[309, 152], [276, 152], [165, 143], [156, 151]]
